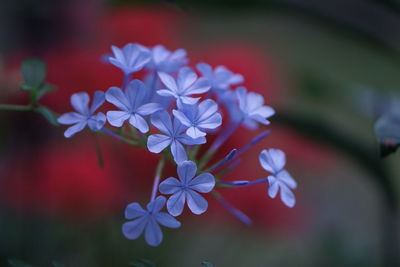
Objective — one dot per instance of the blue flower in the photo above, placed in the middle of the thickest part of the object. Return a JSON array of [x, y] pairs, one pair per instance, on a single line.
[[83, 115], [131, 58], [184, 189], [252, 108], [199, 117], [132, 106], [165, 60], [148, 221], [184, 86], [273, 161], [220, 78], [173, 135]]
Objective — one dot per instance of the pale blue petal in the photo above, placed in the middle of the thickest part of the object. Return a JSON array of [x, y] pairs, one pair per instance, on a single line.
[[71, 118], [80, 102], [96, 122], [287, 196], [149, 108], [273, 186], [203, 183], [134, 229], [157, 204], [187, 140], [115, 96], [197, 204], [167, 93], [195, 132], [272, 160], [205, 70], [71, 131], [178, 151], [186, 171], [167, 220], [241, 93], [162, 121], [98, 100], [134, 210], [158, 142], [176, 203], [211, 122], [181, 117], [170, 186], [189, 100], [186, 78], [168, 81], [135, 93], [207, 108], [153, 234], [139, 123], [117, 118], [286, 178], [202, 85]]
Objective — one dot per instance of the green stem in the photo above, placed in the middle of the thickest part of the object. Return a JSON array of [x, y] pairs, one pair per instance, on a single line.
[[157, 177], [16, 107]]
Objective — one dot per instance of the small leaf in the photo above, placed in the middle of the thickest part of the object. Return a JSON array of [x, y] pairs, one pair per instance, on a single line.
[[44, 89], [387, 129], [33, 72], [18, 263], [48, 115], [207, 264]]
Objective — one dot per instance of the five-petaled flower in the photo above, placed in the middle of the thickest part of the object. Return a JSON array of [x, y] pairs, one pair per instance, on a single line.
[[252, 108], [132, 106], [220, 78], [273, 161], [84, 115], [131, 58], [199, 117], [173, 135], [184, 86], [166, 61], [184, 189], [148, 221]]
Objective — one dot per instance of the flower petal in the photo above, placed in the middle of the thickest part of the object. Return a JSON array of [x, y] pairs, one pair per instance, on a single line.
[[96, 122], [286, 178], [117, 118], [98, 100], [153, 234], [273, 186], [181, 117], [187, 140], [71, 131], [197, 204], [167, 220], [135, 93], [148, 109], [80, 102], [195, 132], [272, 160], [158, 142], [287, 196], [186, 78], [170, 186], [168, 81], [115, 96], [211, 122], [162, 121], [71, 118], [134, 210], [157, 204], [178, 151], [203, 183], [139, 123], [134, 229], [186, 171], [176, 203]]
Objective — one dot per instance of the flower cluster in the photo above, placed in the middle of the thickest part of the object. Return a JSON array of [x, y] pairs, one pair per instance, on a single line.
[[172, 110]]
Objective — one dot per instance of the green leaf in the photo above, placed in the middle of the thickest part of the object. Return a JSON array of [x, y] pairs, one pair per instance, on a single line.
[[387, 129], [44, 89], [48, 115], [18, 263], [207, 264], [33, 72]]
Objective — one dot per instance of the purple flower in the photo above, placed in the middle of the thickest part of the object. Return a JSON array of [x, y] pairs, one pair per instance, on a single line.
[[252, 108], [173, 135], [131, 58], [166, 61], [132, 106], [220, 78], [83, 115], [148, 221], [273, 161], [185, 189], [199, 117], [184, 86]]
